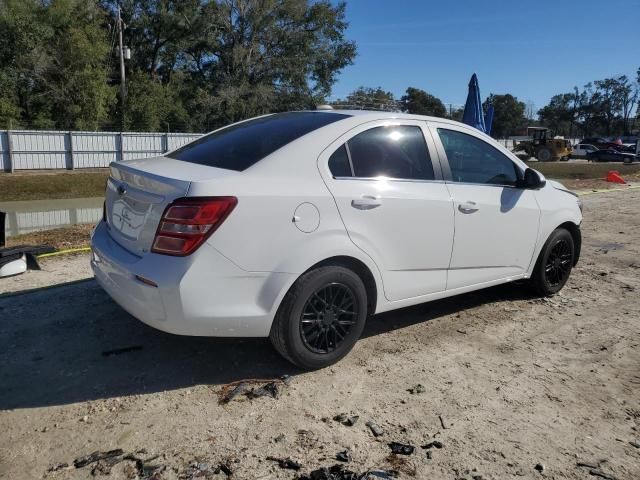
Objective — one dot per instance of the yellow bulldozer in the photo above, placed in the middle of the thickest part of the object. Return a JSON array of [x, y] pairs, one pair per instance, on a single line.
[[543, 147]]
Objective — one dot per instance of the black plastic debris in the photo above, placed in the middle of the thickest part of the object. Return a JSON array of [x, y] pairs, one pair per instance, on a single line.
[[242, 387], [286, 463], [205, 470], [346, 419], [119, 351], [57, 466], [343, 456], [401, 448], [416, 389], [444, 427], [95, 456], [434, 444], [252, 388], [375, 428], [270, 389], [339, 472]]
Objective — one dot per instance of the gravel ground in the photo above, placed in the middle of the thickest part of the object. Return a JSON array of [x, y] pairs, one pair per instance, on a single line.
[[510, 382]]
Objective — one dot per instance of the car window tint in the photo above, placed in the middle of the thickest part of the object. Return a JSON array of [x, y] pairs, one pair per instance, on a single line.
[[397, 151], [239, 146], [475, 161], [339, 163]]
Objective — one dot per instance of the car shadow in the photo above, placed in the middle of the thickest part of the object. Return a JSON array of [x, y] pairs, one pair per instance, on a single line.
[[72, 343]]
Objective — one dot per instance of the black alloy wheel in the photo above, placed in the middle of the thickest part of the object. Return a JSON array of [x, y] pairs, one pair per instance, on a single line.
[[327, 317]]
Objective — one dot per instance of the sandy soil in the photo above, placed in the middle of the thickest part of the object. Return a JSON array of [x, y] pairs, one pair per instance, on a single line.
[[510, 381]]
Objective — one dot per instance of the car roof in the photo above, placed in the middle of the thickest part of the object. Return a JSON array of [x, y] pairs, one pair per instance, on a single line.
[[380, 114]]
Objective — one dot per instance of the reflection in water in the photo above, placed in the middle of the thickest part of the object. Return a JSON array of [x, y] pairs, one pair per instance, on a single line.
[[34, 215]]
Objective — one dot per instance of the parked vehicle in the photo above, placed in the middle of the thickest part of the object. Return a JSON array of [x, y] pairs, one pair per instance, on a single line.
[[299, 226], [581, 150], [610, 156], [602, 143], [543, 147]]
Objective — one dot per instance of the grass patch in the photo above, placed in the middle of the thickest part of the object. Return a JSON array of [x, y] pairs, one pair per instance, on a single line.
[[584, 170], [74, 236], [51, 186]]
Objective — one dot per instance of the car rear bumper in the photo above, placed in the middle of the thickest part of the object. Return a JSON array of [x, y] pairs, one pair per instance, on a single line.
[[203, 294]]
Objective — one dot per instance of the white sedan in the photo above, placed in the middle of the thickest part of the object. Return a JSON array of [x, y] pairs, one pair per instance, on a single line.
[[581, 150], [299, 226]]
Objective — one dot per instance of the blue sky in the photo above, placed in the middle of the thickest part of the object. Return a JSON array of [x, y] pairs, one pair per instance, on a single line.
[[532, 50]]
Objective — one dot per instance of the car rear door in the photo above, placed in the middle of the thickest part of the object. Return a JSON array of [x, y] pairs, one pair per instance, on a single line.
[[496, 223], [394, 203]]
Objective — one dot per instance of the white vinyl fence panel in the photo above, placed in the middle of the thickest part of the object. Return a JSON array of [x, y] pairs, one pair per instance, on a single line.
[[35, 150]]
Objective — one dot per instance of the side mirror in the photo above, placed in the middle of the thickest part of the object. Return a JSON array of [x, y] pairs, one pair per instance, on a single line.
[[531, 180]]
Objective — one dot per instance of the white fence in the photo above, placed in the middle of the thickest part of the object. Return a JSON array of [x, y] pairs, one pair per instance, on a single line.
[[36, 149]]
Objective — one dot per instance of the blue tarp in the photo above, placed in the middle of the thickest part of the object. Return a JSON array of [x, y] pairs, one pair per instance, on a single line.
[[473, 114]]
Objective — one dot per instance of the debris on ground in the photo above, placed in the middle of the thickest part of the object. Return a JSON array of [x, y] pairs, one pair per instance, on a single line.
[[416, 389], [401, 448], [595, 470], [119, 351], [444, 427], [199, 470], [58, 466], [601, 474], [343, 456], [634, 443], [103, 462], [252, 388], [95, 456], [346, 419], [338, 472], [286, 463], [539, 467], [270, 389], [375, 428], [434, 444]]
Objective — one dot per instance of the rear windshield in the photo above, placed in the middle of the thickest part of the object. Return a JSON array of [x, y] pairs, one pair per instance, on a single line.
[[239, 146]]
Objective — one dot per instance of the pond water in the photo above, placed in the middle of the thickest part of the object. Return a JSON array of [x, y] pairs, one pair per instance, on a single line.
[[35, 215]]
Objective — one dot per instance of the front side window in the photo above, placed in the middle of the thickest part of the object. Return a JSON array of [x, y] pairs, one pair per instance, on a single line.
[[475, 161], [397, 151]]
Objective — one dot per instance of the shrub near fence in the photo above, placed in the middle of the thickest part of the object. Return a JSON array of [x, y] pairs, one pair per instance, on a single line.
[[36, 150]]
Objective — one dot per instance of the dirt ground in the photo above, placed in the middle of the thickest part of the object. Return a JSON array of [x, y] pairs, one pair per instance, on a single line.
[[510, 381]]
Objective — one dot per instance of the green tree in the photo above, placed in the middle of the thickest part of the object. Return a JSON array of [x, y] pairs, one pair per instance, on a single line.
[[561, 114], [53, 61], [240, 58], [369, 97], [422, 103], [508, 114]]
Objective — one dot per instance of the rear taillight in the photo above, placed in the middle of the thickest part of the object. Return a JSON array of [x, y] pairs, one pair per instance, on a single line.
[[188, 222]]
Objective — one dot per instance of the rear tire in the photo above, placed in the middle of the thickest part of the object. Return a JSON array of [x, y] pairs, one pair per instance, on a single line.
[[554, 263], [320, 318]]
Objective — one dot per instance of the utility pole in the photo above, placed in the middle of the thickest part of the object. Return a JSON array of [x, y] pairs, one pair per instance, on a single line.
[[123, 86]]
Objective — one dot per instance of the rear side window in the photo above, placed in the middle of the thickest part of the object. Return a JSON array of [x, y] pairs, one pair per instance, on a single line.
[[339, 163], [397, 151], [475, 161], [239, 146]]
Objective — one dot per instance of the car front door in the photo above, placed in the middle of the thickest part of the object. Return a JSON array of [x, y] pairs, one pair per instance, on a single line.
[[394, 203], [496, 223]]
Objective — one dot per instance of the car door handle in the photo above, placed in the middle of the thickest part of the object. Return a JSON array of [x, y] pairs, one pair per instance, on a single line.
[[366, 202], [468, 207]]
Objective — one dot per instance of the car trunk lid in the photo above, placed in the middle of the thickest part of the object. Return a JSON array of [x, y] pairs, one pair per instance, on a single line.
[[138, 193]]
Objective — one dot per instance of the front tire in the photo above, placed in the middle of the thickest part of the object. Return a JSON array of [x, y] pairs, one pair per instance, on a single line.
[[544, 154], [320, 318], [554, 264]]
